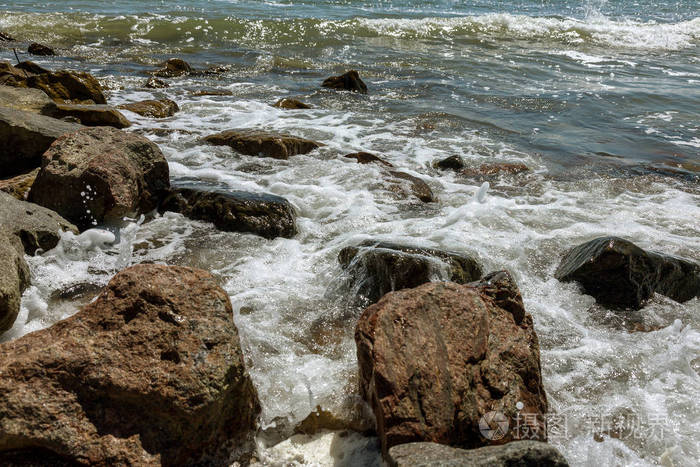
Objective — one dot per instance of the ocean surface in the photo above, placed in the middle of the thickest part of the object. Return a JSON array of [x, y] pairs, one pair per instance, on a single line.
[[600, 99]]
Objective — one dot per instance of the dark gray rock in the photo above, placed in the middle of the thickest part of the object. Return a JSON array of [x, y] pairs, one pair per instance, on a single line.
[[619, 274], [376, 267], [516, 453], [262, 214], [451, 163]]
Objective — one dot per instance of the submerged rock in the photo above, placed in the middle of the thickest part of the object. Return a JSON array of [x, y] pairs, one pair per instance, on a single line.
[[262, 214], [161, 108], [450, 163], [435, 360], [155, 83], [18, 186], [367, 158], [377, 268], [619, 274], [516, 453], [40, 49], [36, 227], [174, 67], [262, 143], [100, 175], [150, 373], [350, 81], [28, 100], [24, 137], [401, 182], [14, 279], [290, 104], [93, 115]]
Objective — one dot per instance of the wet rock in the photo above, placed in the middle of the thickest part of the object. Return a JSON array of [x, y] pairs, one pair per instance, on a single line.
[[18, 186], [68, 87], [5, 37], [451, 163], [367, 158], [321, 419], [212, 92], [350, 81], [29, 100], [262, 143], [619, 274], [503, 290], [291, 104], [101, 174], [24, 136], [32, 67], [496, 169], [155, 83], [161, 108], [401, 182], [174, 67], [14, 278], [40, 49], [35, 226], [151, 373], [377, 268], [93, 115], [516, 453], [217, 69], [262, 214], [436, 359]]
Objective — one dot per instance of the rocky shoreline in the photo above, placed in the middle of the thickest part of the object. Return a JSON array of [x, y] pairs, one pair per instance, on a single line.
[[152, 372]]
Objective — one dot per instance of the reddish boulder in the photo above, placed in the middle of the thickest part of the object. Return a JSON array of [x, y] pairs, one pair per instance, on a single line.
[[100, 175], [435, 360], [150, 373]]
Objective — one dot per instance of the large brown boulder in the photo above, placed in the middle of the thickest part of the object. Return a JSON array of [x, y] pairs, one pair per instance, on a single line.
[[36, 227], [349, 81], [436, 360], [262, 214], [153, 108], [376, 268], [517, 453], [24, 137], [69, 87], [150, 373], [262, 143], [619, 274], [101, 174], [14, 278], [93, 115]]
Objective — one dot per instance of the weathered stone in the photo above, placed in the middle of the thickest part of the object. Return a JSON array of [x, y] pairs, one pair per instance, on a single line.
[[40, 49], [451, 163], [35, 226], [161, 108], [155, 83], [174, 67], [435, 360], [377, 268], [24, 136], [100, 175], [496, 169], [69, 87], [18, 186], [263, 214], [93, 115], [14, 278], [151, 373], [32, 67], [619, 274], [516, 453], [350, 81], [291, 104], [401, 182], [29, 100], [262, 143], [367, 158], [503, 290]]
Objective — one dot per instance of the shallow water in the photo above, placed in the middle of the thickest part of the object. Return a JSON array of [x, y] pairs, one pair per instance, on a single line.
[[599, 99]]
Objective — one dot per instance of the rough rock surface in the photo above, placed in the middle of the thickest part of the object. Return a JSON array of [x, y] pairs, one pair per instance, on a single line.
[[151, 373], [435, 360], [100, 175], [174, 67], [291, 104], [450, 163], [401, 182], [263, 214], [93, 115], [40, 49], [377, 267], [516, 453], [262, 143], [155, 83], [350, 81], [29, 100], [24, 136], [367, 158], [14, 278], [35, 226], [619, 274], [153, 108], [18, 186]]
